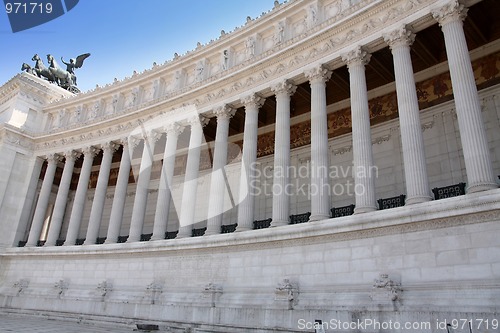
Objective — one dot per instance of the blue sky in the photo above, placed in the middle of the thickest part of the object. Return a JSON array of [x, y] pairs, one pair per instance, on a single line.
[[122, 35]]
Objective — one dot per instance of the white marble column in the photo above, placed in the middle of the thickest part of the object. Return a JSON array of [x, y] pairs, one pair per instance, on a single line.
[[100, 193], [364, 179], [43, 200], [167, 173], [320, 184], [281, 182], [472, 131], [62, 198], [218, 176], [118, 205], [417, 183], [80, 196], [142, 189], [188, 205], [246, 206]]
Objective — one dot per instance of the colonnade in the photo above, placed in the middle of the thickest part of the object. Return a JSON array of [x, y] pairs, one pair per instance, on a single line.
[[474, 142]]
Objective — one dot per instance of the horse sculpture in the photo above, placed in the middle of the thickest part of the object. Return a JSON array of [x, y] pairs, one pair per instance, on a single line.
[[28, 69], [65, 78], [40, 69]]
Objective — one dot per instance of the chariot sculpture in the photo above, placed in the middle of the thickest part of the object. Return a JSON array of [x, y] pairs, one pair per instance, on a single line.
[[64, 78]]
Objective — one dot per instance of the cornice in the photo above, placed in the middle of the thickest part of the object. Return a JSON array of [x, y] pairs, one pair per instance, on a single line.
[[265, 22], [322, 44], [38, 90], [16, 138]]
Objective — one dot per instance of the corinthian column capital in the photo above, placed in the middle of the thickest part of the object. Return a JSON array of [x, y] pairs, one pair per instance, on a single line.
[[357, 56], [318, 74], [399, 37], [284, 88], [53, 158], [90, 151], [224, 112], [111, 146], [198, 119], [452, 11], [72, 155], [173, 128], [253, 100]]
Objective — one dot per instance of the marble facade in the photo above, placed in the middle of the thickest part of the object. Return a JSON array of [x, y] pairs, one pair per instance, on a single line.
[[103, 193]]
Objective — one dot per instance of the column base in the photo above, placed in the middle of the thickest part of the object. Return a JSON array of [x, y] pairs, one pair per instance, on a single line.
[[184, 232], [243, 228], [318, 217], [89, 243], [278, 223], [155, 238], [481, 187], [211, 232], [416, 200], [110, 241], [361, 210], [133, 239]]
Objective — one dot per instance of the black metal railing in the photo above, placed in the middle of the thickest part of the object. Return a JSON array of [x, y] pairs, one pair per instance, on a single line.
[[171, 234], [342, 211], [391, 202], [60, 242], [80, 241], [300, 218], [229, 228], [198, 232], [146, 237], [100, 240], [262, 224], [449, 191], [122, 239]]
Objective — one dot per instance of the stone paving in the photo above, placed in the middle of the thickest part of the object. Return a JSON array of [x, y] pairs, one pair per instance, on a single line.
[[18, 324]]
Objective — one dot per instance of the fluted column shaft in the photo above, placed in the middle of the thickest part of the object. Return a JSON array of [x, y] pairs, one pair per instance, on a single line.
[[472, 131], [320, 185], [167, 174], [43, 201], [217, 180], [100, 194], [61, 199], [81, 192], [281, 182], [417, 183], [364, 180], [118, 205], [142, 189], [188, 205], [246, 205]]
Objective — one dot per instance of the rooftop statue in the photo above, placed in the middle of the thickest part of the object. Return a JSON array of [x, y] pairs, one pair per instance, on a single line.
[[54, 73]]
